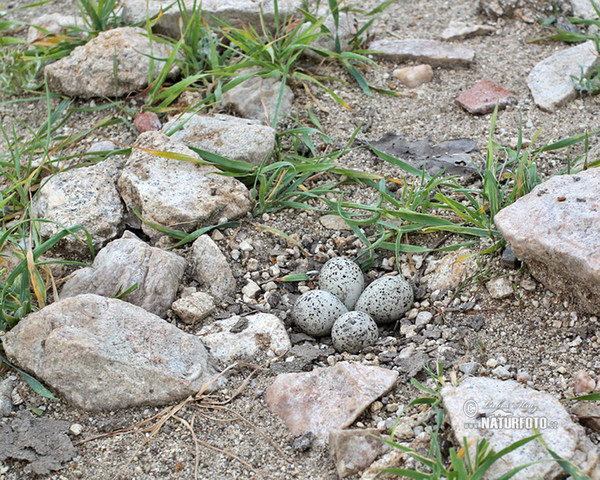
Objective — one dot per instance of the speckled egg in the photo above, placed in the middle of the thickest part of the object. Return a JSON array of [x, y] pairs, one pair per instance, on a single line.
[[342, 278], [354, 331], [386, 299], [315, 311]]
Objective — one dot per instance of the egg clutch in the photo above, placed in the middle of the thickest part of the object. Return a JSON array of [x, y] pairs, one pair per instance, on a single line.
[[345, 309]]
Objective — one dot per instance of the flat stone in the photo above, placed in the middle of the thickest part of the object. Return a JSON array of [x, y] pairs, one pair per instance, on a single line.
[[210, 267], [413, 77], [436, 54], [114, 63], [51, 24], [124, 263], [333, 222], [253, 339], [554, 230], [355, 450], [550, 80], [104, 354], [459, 30], [177, 194], [85, 196], [257, 98], [588, 414], [500, 8], [6, 388], [483, 407], [230, 137], [500, 287], [327, 398], [194, 308], [450, 271], [583, 9], [236, 12], [483, 97]]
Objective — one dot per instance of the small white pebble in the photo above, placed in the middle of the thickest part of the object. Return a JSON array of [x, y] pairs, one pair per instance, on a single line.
[[76, 429]]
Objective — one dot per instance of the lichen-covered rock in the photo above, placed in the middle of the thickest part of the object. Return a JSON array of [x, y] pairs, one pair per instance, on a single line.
[[230, 137], [115, 63], [177, 194], [85, 196], [104, 354], [124, 263]]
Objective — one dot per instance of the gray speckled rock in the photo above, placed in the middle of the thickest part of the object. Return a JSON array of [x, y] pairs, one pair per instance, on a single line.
[[386, 299], [436, 54], [210, 267], [89, 71], [255, 338], [105, 354], [236, 12], [84, 196], [231, 137], [194, 308], [175, 193], [479, 403], [550, 80], [554, 230], [125, 262]]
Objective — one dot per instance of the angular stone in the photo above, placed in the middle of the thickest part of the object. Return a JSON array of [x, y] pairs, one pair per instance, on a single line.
[[554, 230], [105, 354], [355, 450], [257, 98], [412, 77], [194, 308], [500, 287], [588, 414], [583, 9], [450, 271], [483, 97], [483, 407], [254, 339], [230, 137], [236, 12], [436, 54], [89, 71], [327, 398], [6, 388], [333, 222], [177, 194], [122, 264], [85, 196], [210, 267], [51, 24], [550, 80], [459, 31], [500, 8]]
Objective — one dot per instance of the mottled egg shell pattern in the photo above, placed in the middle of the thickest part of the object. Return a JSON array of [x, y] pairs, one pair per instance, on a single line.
[[343, 278], [354, 331], [386, 299], [316, 311]]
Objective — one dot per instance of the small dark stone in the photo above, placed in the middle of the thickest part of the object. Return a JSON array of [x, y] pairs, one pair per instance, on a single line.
[[303, 442], [240, 326], [434, 333], [508, 259], [387, 357], [475, 322], [300, 337]]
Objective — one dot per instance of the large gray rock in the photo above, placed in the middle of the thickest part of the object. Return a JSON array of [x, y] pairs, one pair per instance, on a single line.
[[583, 9], [550, 80], [115, 63], [125, 262], [327, 398], [255, 338], [210, 267], [257, 98], [105, 354], [436, 54], [177, 194], [85, 196], [554, 229], [236, 12], [503, 412], [231, 137]]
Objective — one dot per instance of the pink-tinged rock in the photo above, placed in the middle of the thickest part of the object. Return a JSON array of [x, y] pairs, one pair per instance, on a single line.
[[459, 30], [147, 122], [583, 383], [436, 54], [482, 98], [327, 398], [355, 450], [555, 230], [412, 77]]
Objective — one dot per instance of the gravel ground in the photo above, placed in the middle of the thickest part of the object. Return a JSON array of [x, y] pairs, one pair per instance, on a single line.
[[532, 331]]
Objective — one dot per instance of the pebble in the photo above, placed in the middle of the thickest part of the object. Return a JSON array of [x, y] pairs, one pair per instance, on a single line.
[[492, 363], [469, 368], [244, 246], [76, 429], [502, 373], [413, 77], [523, 377], [251, 289], [423, 318], [583, 383]]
